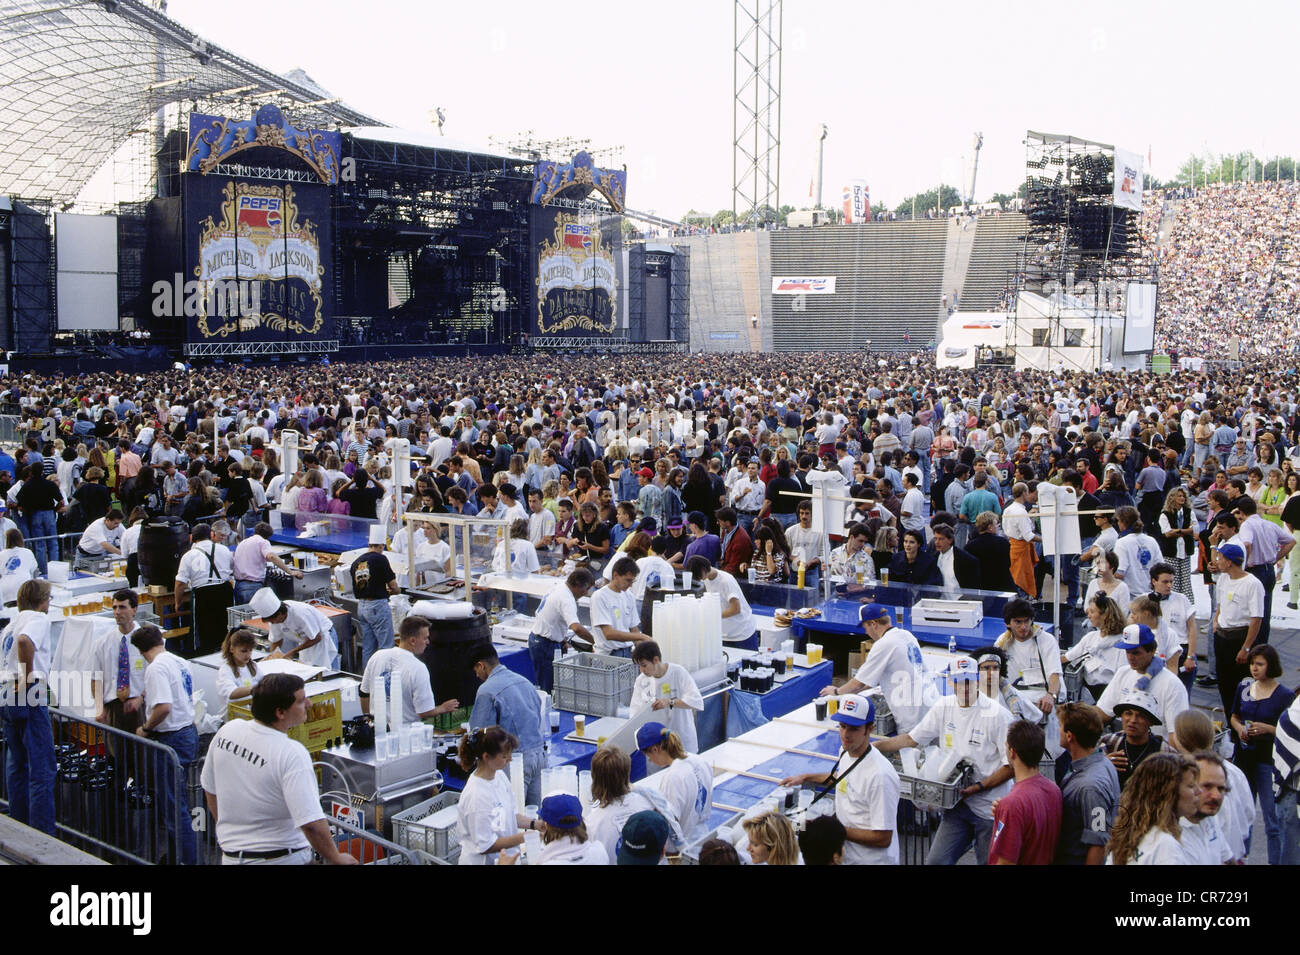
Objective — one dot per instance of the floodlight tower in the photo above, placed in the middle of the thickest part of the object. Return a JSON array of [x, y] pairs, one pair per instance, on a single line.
[[756, 109]]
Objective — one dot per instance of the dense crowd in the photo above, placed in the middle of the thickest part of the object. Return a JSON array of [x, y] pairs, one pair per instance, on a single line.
[[707, 464], [1228, 268]]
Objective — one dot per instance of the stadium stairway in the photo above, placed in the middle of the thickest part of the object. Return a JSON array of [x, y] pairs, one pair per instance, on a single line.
[[993, 259]]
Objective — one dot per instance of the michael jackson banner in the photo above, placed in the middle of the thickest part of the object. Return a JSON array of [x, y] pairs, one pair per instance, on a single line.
[[577, 286], [259, 255]]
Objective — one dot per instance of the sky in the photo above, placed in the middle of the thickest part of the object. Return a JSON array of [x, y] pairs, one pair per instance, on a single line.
[[902, 87]]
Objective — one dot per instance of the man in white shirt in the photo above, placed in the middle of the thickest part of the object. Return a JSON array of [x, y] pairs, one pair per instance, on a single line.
[[913, 517], [893, 664], [169, 719], [747, 497], [866, 787], [297, 629], [556, 619], [260, 786], [24, 673], [541, 522], [1143, 672], [666, 686], [1137, 552], [102, 538], [1019, 528], [615, 616], [1203, 840], [1177, 621], [117, 682], [401, 663], [207, 570], [738, 627], [971, 726], [1237, 619]]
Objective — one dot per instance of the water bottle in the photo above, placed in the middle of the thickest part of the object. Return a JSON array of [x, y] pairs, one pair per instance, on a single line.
[[952, 643]]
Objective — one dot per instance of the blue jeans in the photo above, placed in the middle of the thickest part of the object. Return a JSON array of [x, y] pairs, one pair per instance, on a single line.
[[1069, 575], [185, 744], [1260, 777], [1187, 676], [29, 765], [624, 652], [44, 540], [960, 829], [376, 621], [1289, 824], [542, 652], [244, 590], [785, 520], [534, 763]]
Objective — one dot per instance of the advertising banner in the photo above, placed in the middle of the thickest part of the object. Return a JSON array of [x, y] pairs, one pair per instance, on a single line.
[[1128, 180], [576, 277]]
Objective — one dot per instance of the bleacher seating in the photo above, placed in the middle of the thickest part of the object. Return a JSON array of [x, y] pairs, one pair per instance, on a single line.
[[995, 254]]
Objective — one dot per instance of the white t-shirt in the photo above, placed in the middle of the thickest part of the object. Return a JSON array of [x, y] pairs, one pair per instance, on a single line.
[[1203, 842], [1099, 656], [1238, 600], [196, 569], [737, 628], [107, 651], [485, 813], [303, 623], [1167, 689], [17, 566], [894, 664], [978, 733], [1026, 660], [605, 823], [867, 798], [97, 534], [417, 692], [688, 787], [914, 504], [558, 611], [1137, 554], [649, 567], [523, 557], [1174, 613], [677, 683], [616, 610], [131, 539], [168, 680], [265, 787], [228, 682], [568, 852], [1119, 593], [36, 626], [1156, 848]]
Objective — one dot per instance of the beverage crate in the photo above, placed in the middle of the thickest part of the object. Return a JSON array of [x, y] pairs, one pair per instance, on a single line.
[[446, 722], [430, 826], [593, 683], [324, 719], [238, 614], [927, 792]]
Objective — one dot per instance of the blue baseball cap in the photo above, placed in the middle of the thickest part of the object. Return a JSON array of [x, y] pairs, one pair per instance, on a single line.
[[963, 668], [1233, 553], [561, 811], [855, 710], [650, 734], [1136, 636], [873, 612]]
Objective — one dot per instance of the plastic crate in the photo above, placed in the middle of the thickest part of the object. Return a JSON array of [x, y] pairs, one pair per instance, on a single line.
[[886, 725], [446, 722], [593, 683], [238, 614], [413, 829], [928, 793], [324, 720], [1073, 674]]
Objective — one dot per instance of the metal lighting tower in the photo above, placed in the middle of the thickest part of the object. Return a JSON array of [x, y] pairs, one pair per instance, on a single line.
[[756, 109]]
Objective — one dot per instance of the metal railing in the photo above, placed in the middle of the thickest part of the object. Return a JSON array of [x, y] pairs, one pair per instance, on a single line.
[[11, 426], [114, 792]]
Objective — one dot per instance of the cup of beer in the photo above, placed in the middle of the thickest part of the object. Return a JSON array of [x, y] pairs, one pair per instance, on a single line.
[[832, 705], [580, 724]]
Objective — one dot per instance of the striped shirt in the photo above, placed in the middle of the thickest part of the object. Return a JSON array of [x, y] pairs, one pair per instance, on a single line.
[[1286, 749]]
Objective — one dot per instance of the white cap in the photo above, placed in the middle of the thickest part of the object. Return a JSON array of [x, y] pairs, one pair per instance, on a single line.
[[265, 603], [378, 535]]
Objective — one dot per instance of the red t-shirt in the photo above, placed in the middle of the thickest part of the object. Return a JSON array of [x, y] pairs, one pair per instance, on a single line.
[[1026, 823]]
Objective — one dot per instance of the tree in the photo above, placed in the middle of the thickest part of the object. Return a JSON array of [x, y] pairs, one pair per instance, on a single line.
[[699, 219], [783, 213], [924, 202], [722, 217]]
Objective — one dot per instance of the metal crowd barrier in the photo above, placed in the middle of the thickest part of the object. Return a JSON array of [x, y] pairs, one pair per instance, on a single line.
[[11, 426], [371, 849], [110, 790]]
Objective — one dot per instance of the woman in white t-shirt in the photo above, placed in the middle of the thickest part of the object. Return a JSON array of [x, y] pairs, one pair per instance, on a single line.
[[1097, 648], [688, 781], [564, 835], [486, 821], [614, 801], [17, 565], [238, 674], [1108, 584], [1163, 789]]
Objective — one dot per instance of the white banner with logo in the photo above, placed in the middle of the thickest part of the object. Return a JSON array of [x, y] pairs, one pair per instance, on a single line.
[[1128, 180], [803, 285]]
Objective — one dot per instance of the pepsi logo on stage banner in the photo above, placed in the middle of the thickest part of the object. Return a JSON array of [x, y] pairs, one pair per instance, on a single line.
[[803, 285]]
